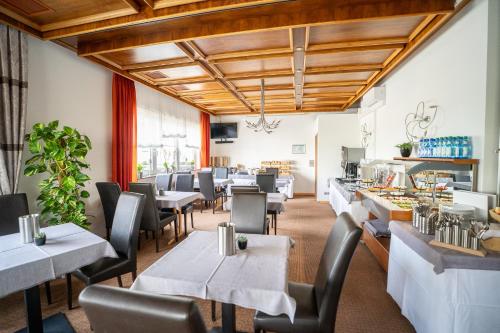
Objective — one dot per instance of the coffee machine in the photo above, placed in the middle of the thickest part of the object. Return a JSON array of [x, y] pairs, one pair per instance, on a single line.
[[351, 158]]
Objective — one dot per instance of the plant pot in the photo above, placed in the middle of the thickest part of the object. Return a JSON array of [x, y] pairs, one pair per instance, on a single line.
[[40, 241], [242, 245], [405, 152]]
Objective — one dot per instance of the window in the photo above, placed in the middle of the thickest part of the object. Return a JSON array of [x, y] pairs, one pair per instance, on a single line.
[[168, 134]]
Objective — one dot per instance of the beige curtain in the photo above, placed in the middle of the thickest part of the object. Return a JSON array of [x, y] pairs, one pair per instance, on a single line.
[[13, 103]]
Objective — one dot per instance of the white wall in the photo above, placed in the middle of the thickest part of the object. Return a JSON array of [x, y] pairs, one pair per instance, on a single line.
[[251, 148], [334, 131], [450, 70], [64, 87]]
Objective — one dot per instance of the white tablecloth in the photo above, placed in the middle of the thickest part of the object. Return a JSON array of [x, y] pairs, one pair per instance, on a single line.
[[174, 199], [278, 198], [218, 182], [340, 205], [256, 278], [68, 248], [285, 184], [457, 300]]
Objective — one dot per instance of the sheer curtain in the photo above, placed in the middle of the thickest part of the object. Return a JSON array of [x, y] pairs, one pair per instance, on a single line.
[[168, 131]]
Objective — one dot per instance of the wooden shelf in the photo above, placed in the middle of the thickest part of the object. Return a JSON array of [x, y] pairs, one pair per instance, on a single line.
[[379, 247], [438, 160]]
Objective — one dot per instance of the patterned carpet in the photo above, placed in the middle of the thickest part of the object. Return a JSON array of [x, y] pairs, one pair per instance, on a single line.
[[364, 307]]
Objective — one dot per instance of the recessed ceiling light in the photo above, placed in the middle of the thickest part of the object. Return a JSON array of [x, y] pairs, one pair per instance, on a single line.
[[299, 48], [299, 70]]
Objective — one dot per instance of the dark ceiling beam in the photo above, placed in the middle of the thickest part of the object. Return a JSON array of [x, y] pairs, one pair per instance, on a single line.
[[272, 16]]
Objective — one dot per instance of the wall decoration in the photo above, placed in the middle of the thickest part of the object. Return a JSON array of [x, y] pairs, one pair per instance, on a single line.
[[298, 149], [418, 123], [365, 135]]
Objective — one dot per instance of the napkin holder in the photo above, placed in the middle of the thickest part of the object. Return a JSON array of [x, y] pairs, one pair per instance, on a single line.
[[227, 238]]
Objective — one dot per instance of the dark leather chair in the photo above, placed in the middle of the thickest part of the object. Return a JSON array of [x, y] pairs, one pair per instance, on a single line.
[[317, 304], [221, 173], [152, 219], [11, 207], [266, 182], [124, 238], [244, 188], [249, 212], [185, 183], [109, 192], [207, 188], [163, 182], [115, 310]]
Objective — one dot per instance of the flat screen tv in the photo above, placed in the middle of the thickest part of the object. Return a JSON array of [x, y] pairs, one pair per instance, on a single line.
[[223, 130]]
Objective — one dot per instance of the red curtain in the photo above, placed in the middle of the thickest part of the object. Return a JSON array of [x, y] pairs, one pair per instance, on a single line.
[[205, 139], [124, 153]]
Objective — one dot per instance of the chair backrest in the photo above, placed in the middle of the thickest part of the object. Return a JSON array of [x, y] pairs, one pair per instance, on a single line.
[[244, 188], [109, 192], [221, 173], [184, 183], [117, 310], [206, 180], [164, 181], [11, 207], [126, 222], [274, 171], [150, 216], [249, 212], [339, 248], [266, 182]]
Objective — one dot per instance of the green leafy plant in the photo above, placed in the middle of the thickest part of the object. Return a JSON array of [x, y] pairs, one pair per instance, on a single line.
[[242, 238], [140, 167], [406, 145], [165, 165], [40, 235], [60, 154]]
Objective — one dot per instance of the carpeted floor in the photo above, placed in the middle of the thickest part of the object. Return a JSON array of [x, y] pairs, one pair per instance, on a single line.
[[364, 307]]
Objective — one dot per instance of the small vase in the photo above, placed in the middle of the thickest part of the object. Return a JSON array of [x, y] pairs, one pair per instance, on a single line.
[[40, 241], [405, 152], [242, 245]]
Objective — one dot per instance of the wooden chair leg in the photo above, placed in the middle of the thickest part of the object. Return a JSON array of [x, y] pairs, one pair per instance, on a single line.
[[192, 223], [120, 283], [69, 291], [201, 206], [157, 242], [275, 223], [214, 311], [134, 275], [175, 231], [185, 225], [48, 293], [213, 206]]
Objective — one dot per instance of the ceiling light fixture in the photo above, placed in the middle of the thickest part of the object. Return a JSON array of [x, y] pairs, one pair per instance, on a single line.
[[262, 124]]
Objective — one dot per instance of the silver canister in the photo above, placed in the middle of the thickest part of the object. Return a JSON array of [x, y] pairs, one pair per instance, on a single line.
[[439, 235], [227, 238], [35, 223], [457, 233], [474, 243], [448, 232], [416, 217], [26, 229], [466, 238]]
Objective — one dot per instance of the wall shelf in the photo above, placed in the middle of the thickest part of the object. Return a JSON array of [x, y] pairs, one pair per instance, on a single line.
[[438, 160]]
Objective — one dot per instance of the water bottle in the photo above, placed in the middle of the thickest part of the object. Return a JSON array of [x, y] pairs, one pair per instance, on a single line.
[[434, 148], [453, 147], [460, 147], [447, 153], [467, 147]]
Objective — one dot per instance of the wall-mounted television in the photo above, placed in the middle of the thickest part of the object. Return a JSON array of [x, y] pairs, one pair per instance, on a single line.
[[223, 130]]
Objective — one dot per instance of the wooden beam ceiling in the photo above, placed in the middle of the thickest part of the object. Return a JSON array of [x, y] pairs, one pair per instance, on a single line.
[[314, 55]]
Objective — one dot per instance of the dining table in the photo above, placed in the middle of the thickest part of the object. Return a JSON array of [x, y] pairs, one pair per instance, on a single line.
[[254, 278], [176, 200], [218, 182], [24, 266]]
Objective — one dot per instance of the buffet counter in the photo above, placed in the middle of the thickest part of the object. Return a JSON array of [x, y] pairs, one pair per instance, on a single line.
[[285, 184], [442, 290], [343, 200]]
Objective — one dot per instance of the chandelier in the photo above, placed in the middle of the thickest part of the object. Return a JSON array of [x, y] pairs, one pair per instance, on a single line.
[[262, 124]]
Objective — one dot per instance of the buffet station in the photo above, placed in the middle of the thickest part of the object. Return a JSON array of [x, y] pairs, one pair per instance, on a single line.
[[433, 234]]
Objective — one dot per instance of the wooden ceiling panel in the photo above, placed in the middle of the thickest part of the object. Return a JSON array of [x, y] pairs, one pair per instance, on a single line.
[[182, 72], [255, 65], [244, 42], [206, 86], [348, 58], [354, 31], [269, 92], [146, 54], [348, 89], [267, 82], [338, 77]]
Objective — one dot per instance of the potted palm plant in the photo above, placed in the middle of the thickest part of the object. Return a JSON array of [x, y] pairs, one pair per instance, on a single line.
[[60, 154], [140, 168], [405, 149]]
